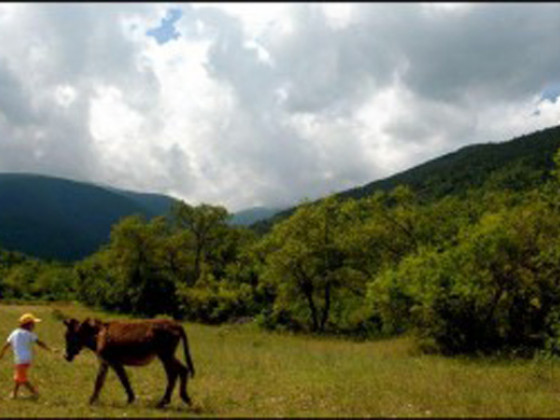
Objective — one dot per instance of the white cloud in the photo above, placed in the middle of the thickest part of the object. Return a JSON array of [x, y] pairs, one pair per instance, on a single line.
[[339, 15], [264, 104], [257, 17], [64, 95]]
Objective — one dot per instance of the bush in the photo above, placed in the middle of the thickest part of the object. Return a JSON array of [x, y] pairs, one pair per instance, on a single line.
[[212, 301], [496, 289]]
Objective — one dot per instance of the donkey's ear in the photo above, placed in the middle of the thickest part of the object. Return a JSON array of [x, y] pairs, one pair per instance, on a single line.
[[88, 324], [92, 322], [69, 322], [98, 323]]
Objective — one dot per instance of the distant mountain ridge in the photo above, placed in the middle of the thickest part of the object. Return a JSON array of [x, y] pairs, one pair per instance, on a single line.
[[472, 165], [57, 218], [518, 163], [156, 203], [252, 215]]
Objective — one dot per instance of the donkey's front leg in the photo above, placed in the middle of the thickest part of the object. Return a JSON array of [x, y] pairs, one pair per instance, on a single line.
[[121, 373], [99, 381]]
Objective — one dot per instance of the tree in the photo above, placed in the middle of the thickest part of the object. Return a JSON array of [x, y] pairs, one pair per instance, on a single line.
[[496, 288], [304, 260], [207, 225], [128, 274]]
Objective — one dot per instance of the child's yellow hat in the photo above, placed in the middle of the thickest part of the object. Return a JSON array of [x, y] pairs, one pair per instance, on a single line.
[[27, 318]]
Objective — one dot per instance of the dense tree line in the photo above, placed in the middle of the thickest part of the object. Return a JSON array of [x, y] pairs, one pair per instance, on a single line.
[[25, 278], [469, 272]]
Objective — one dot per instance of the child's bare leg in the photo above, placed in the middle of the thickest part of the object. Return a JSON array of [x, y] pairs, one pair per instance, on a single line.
[[14, 393], [31, 388]]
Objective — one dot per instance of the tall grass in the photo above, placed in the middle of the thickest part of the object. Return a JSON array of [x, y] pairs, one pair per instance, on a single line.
[[242, 371]]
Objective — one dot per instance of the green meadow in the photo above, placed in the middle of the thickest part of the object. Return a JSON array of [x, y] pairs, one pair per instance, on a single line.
[[242, 371]]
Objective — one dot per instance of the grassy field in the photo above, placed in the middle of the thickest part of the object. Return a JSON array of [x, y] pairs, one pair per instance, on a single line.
[[245, 372]]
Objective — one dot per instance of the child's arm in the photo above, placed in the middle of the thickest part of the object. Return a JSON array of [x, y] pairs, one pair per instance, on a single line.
[[4, 348], [43, 345]]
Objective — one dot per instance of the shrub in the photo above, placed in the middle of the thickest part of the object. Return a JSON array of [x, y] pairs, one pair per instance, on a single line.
[[214, 301], [495, 289]]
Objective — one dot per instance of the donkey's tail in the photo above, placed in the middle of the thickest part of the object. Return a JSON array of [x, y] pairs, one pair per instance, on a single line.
[[188, 359]]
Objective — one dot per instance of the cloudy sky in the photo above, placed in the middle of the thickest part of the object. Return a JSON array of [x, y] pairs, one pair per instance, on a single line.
[[243, 105]]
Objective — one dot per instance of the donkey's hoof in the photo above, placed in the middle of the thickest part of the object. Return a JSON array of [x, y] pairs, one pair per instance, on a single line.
[[162, 404]]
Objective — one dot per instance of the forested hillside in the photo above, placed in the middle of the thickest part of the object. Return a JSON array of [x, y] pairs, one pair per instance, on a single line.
[[61, 219], [521, 163]]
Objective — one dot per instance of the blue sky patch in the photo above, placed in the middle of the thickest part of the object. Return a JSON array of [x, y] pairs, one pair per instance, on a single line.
[[166, 31], [551, 92]]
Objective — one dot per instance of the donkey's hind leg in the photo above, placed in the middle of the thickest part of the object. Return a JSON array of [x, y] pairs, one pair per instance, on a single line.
[[183, 374], [171, 372]]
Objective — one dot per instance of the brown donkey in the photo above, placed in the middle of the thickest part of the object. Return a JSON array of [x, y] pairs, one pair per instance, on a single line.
[[134, 343]]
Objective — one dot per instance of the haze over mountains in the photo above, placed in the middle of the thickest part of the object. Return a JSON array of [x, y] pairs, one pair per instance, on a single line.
[[67, 220]]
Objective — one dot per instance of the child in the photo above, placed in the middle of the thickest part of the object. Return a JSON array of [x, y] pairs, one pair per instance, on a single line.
[[21, 340]]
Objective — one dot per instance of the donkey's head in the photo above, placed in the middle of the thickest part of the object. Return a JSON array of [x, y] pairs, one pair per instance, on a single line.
[[79, 335]]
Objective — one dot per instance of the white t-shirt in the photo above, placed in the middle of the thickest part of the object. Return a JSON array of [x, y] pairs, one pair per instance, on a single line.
[[21, 341]]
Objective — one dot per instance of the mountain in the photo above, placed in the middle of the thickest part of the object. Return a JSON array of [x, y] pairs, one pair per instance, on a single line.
[[67, 220], [519, 163], [155, 203], [526, 159], [249, 216], [56, 218]]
